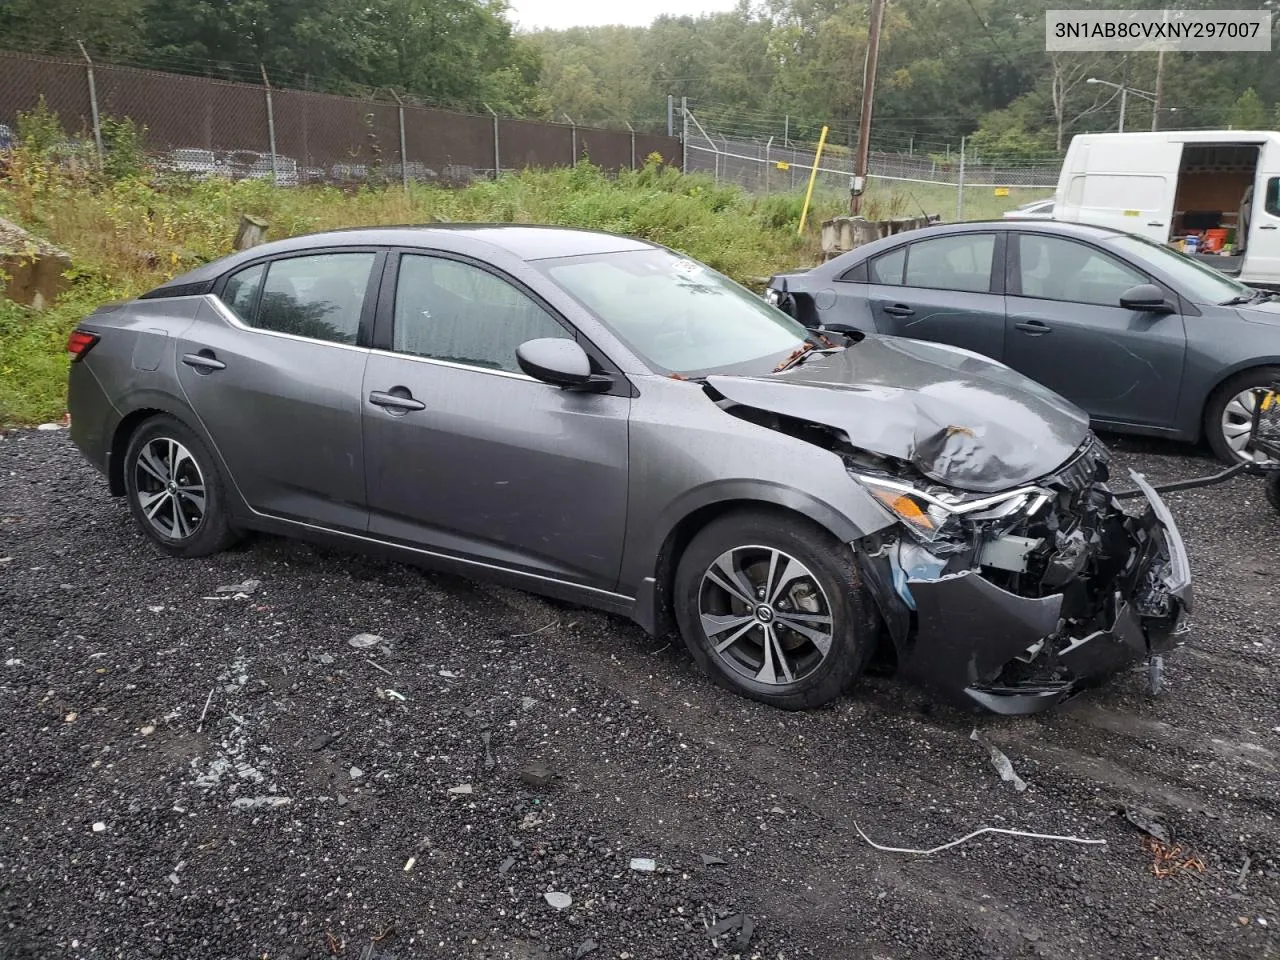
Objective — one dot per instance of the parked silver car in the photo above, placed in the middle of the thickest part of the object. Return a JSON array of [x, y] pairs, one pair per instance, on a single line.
[[599, 419]]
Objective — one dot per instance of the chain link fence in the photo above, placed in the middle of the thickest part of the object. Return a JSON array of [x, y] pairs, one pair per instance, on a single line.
[[205, 127], [976, 188]]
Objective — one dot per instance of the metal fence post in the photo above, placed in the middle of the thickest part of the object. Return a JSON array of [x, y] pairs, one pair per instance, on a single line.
[[404, 159], [93, 103], [633, 143], [960, 185], [684, 135], [767, 147], [271, 126], [573, 137], [671, 109], [497, 155]]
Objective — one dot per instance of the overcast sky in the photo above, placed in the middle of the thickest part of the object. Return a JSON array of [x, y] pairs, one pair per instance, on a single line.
[[558, 14]]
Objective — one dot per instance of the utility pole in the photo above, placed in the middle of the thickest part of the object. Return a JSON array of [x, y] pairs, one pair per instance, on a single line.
[[1155, 107], [868, 98]]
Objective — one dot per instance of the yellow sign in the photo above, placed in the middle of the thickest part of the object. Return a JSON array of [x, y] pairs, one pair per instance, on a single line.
[[1133, 213], [1002, 191], [783, 165]]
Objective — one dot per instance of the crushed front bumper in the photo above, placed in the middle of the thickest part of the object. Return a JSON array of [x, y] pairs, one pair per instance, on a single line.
[[972, 638]]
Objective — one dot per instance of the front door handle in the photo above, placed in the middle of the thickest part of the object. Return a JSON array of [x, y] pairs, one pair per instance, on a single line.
[[204, 361], [395, 402], [899, 310], [1266, 226], [1153, 223], [1033, 327]]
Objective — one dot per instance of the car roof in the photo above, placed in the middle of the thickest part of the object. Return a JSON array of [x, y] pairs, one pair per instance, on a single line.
[[524, 242], [1081, 231]]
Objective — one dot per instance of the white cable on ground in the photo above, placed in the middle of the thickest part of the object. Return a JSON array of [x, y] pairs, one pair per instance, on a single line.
[[955, 843]]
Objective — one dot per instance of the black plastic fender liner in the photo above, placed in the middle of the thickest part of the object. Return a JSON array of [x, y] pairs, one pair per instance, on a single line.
[[968, 629], [1107, 651]]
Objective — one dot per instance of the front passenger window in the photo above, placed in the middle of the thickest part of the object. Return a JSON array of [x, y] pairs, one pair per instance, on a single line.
[[450, 310], [1051, 268]]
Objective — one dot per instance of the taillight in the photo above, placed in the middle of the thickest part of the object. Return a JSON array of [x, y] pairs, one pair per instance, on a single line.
[[80, 343]]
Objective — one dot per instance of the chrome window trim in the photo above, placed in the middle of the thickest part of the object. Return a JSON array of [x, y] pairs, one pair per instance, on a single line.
[[454, 364], [230, 316]]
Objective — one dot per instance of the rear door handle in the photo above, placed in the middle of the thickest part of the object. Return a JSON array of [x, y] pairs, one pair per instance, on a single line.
[[1033, 327], [899, 310], [1266, 226], [1152, 223], [395, 402], [203, 361]]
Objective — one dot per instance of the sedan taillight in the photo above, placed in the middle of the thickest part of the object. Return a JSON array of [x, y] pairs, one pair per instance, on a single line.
[[80, 343]]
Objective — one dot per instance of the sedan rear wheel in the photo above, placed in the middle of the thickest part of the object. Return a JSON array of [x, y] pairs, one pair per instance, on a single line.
[[174, 490], [772, 607]]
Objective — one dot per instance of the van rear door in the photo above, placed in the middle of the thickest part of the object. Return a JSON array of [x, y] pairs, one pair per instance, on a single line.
[[1262, 255], [1122, 181]]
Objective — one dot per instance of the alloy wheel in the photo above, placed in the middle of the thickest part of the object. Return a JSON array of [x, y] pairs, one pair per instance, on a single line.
[[765, 615], [170, 488], [1237, 424]]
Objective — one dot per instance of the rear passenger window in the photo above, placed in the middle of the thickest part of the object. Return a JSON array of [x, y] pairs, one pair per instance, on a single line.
[[1272, 205], [241, 291], [319, 297], [952, 263], [888, 269]]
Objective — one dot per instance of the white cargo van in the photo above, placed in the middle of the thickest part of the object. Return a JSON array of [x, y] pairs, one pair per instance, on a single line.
[[1167, 186]]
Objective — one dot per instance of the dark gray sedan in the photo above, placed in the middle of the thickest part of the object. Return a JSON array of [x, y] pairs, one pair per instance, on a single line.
[[601, 420], [1143, 338]]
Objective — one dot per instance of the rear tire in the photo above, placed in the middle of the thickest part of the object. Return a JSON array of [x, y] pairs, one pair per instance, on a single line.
[[1229, 407], [174, 489], [773, 608]]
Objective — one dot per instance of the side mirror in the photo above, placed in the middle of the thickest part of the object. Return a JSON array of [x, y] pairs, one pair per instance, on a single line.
[[561, 363], [1147, 297]]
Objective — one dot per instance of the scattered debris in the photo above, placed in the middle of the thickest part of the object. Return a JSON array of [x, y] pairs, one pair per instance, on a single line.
[[1148, 821], [248, 587], [318, 743], [462, 789], [744, 935], [148, 730], [408, 864], [559, 901], [643, 864], [778, 811], [448, 674], [13, 662], [207, 701], [157, 609], [1170, 859], [489, 762], [71, 717], [377, 666], [712, 861], [365, 641], [325, 659], [528, 703], [999, 761], [257, 803], [537, 775], [1244, 871], [355, 773], [977, 833], [517, 636], [99, 827], [736, 921], [586, 946], [1155, 675], [506, 865], [50, 426]]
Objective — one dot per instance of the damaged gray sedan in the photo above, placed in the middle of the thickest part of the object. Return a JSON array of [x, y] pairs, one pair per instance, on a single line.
[[599, 420]]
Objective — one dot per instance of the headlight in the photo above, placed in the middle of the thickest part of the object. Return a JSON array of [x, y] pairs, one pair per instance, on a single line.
[[926, 513]]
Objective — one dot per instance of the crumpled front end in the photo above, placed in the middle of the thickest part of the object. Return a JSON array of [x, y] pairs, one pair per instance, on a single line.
[[1019, 606]]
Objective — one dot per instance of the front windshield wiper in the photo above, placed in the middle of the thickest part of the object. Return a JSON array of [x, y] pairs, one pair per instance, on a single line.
[[1253, 296]]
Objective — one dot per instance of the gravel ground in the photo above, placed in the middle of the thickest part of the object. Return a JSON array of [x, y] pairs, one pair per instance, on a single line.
[[186, 775]]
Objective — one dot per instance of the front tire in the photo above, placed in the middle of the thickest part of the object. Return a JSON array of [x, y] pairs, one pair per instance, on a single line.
[[772, 607], [174, 489], [1229, 412]]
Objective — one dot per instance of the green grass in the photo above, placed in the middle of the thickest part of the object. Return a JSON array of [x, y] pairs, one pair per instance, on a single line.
[[128, 235]]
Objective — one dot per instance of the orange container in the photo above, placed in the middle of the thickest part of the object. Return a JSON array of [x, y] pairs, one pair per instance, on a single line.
[[1214, 240]]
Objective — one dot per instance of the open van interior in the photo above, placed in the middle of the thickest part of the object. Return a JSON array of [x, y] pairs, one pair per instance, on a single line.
[[1212, 194]]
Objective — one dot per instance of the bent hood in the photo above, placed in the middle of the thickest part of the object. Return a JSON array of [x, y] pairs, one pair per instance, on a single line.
[[961, 419]]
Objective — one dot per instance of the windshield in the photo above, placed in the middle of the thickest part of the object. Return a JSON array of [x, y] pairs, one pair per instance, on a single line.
[[1200, 282], [678, 315]]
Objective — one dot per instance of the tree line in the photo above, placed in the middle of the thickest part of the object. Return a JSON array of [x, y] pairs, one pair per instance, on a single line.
[[769, 68]]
